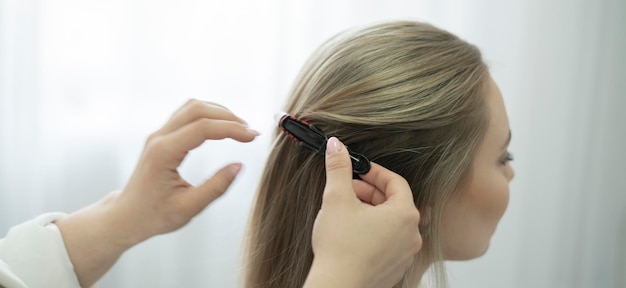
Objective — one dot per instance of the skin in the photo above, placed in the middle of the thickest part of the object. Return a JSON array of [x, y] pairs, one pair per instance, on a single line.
[[347, 251], [472, 214], [157, 200]]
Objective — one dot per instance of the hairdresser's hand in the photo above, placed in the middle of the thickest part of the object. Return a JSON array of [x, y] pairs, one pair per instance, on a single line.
[[156, 199], [357, 244]]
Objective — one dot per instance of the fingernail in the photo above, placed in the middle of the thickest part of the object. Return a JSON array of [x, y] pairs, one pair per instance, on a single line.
[[253, 132], [333, 145], [234, 168]]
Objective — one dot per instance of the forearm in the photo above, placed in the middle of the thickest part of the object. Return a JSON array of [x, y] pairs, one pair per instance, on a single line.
[[92, 240]]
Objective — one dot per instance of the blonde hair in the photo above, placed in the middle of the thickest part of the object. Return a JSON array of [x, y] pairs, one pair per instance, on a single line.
[[407, 95]]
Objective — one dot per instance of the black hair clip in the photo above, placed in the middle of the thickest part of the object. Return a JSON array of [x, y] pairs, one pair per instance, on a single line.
[[313, 138]]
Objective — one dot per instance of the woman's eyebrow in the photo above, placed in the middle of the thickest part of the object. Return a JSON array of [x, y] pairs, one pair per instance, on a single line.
[[508, 141]]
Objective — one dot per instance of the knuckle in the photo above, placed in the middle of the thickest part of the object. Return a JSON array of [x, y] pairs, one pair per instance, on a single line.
[[151, 138], [202, 125], [411, 217], [232, 126], [216, 128], [195, 106], [401, 181], [416, 216], [204, 122], [156, 146], [191, 102], [219, 185], [417, 245], [192, 107], [337, 163]]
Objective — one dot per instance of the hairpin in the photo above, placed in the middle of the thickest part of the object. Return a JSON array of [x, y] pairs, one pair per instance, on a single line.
[[311, 137]]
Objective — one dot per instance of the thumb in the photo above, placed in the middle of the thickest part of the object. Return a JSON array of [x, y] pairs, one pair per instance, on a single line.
[[211, 189], [338, 171]]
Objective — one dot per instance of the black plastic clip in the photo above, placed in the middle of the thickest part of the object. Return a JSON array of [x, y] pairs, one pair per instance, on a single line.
[[313, 138]]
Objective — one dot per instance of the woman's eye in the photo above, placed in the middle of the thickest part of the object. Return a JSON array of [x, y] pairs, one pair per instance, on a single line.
[[508, 158]]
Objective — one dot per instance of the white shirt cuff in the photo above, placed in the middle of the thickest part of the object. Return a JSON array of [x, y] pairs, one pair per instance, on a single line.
[[33, 255]]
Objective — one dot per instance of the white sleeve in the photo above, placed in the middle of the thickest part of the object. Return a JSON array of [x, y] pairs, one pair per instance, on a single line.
[[33, 255]]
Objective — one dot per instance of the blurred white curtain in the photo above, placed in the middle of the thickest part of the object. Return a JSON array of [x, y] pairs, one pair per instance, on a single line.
[[82, 83]]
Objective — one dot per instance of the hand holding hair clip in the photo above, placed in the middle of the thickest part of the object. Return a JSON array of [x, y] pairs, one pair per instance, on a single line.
[[313, 138]]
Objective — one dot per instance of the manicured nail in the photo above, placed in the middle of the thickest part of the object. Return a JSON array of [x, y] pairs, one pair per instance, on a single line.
[[234, 168], [333, 145], [253, 132]]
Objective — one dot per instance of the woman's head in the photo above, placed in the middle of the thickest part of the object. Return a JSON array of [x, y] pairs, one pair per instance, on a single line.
[[408, 96]]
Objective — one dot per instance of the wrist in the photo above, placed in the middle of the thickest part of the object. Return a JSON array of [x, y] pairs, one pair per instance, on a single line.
[[118, 223], [333, 274], [92, 243]]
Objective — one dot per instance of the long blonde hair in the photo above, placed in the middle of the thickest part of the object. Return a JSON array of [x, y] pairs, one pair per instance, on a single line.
[[407, 95]]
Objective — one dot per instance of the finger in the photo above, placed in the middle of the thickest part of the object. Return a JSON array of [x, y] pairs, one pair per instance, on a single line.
[[172, 148], [195, 133], [391, 184], [338, 171], [368, 193], [194, 110], [201, 196]]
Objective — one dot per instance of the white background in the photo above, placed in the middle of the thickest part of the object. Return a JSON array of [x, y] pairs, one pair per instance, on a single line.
[[83, 82]]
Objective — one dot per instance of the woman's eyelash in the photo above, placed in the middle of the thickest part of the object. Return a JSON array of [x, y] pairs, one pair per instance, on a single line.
[[508, 158]]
